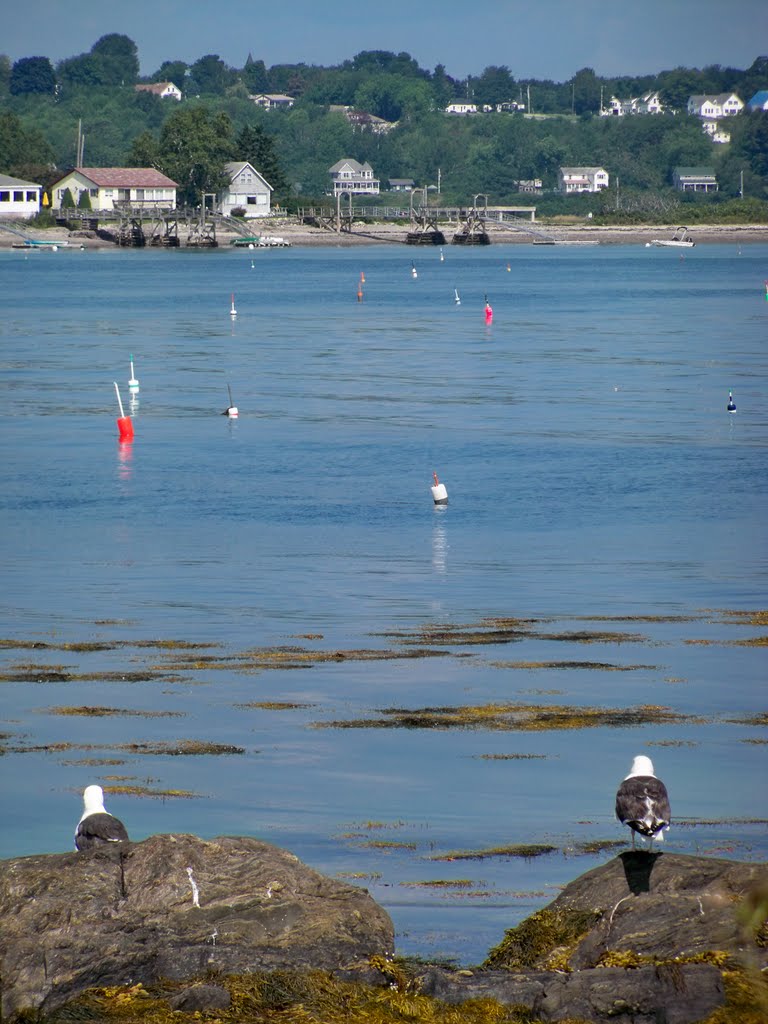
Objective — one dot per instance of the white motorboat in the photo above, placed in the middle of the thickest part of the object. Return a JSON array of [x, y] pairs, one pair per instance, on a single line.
[[680, 240]]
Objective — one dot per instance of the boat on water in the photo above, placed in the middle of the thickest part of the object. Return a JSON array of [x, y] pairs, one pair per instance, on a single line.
[[680, 240], [34, 243], [261, 242]]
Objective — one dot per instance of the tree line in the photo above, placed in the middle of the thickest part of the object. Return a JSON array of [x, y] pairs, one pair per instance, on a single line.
[[41, 106]]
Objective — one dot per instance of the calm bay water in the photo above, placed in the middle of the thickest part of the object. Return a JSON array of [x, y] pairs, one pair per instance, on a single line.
[[597, 484]]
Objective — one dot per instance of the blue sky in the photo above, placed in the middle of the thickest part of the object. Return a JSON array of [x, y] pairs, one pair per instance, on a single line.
[[533, 38]]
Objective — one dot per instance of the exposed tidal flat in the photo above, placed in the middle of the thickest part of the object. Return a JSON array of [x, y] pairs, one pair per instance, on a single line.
[[265, 627]]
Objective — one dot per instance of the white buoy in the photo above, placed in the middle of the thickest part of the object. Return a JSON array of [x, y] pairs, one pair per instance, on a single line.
[[413, 271], [231, 411], [442, 258], [133, 384], [457, 298], [439, 493], [232, 310], [731, 404]]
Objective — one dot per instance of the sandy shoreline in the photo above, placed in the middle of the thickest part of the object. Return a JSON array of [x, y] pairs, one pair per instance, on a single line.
[[299, 235]]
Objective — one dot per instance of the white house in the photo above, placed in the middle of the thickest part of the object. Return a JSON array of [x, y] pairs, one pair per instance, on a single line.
[[350, 176], [248, 190], [726, 104], [165, 90], [272, 100], [461, 108], [111, 187], [581, 179], [18, 199], [648, 103]]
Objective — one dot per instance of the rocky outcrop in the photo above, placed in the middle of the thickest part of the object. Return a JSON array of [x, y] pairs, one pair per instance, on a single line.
[[639, 940], [173, 907]]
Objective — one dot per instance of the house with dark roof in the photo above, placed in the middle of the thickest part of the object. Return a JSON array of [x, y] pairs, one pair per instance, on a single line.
[[18, 199], [349, 176], [110, 188], [694, 179]]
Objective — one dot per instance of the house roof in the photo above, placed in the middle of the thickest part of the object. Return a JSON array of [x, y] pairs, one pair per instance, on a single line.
[[157, 87], [125, 177], [234, 167], [695, 172], [353, 165], [722, 97], [581, 170], [759, 99], [8, 182]]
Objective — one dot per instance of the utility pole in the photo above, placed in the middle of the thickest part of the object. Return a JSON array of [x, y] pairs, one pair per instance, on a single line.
[[741, 184], [617, 193], [439, 177]]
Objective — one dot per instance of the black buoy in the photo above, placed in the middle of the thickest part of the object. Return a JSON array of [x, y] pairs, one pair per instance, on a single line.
[[731, 404]]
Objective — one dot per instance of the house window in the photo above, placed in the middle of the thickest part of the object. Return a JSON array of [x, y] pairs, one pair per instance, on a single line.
[[18, 197], [251, 200], [93, 192], [5, 197], [31, 197]]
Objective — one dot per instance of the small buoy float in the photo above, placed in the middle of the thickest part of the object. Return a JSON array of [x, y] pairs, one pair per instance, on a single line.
[[509, 268], [413, 271], [232, 310], [731, 404], [442, 258], [766, 291], [488, 312], [124, 424], [439, 493], [362, 277], [133, 384], [457, 297], [231, 411]]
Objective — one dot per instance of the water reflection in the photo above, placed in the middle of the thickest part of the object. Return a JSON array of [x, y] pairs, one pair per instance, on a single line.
[[439, 543], [124, 459]]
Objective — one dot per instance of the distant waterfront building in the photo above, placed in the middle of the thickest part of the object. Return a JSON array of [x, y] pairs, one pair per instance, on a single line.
[[272, 100], [694, 179], [581, 179], [461, 108], [248, 190], [109, 188], [348, 175], [18, 199], [725, 104]]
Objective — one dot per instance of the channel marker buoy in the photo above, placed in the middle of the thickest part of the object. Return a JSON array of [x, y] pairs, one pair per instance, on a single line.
[[124, 424], [731, 407], [231, 411], [133, 384], [232, 310], [439, 493]]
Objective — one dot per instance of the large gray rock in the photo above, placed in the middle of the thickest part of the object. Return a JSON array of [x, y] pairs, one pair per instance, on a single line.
[[174, 907], [638, 940]]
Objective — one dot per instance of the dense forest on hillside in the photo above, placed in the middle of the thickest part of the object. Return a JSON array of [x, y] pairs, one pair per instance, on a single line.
[[42, 107]]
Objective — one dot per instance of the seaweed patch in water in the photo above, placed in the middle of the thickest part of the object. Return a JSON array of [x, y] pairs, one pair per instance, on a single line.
[[180, 748], [510, 717], [511, 757], [527, 851], [275, 705], [102, 712], [596, 666], [158, 794]]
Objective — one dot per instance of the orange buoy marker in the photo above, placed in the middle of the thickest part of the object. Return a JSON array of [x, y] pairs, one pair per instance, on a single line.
[[232, 310], [231, 411], [133, 384], [124, 425], [439, 493], [488, 311], [731, 407]]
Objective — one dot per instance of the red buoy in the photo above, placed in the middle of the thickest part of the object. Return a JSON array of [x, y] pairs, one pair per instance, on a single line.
[[124, 424]]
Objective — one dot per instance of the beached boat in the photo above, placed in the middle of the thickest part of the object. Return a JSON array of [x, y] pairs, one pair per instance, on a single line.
[[680, 240], [261, 242]]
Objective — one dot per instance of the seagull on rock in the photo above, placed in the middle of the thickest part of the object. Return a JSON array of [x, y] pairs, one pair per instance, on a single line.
[[97, 827], [642, 802]]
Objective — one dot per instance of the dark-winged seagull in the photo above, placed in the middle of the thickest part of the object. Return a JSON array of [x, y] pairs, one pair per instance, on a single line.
[[97, 827], [642, 802]]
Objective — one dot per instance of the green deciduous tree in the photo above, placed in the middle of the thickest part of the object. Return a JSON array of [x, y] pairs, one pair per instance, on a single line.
[[32, 74], [172, 71], [118, 58], [210, 75], [193, 148]]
